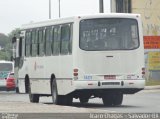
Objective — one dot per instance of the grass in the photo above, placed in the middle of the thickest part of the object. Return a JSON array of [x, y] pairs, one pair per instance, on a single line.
[[152, 82]]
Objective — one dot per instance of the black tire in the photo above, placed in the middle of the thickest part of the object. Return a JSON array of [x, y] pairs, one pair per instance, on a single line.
[[60, 99], [107, 100], [17, 90], [27, 85], [69, 100], [65, 100], [55, 97], [34, 98], [83, 100], [118, 99], [112, 99]]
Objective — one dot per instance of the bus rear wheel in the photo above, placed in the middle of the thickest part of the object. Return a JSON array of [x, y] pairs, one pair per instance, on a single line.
[[27, 85], [55, 97], [60, 99], [83, 100], [112, 99], [65, 100], [33, 97]]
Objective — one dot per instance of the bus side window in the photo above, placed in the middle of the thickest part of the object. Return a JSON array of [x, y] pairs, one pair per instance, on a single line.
[[34, 43], [71, 38], [48, 41], [52, 44], [56, 46], [27, 43], [65, 39], [40, 43]]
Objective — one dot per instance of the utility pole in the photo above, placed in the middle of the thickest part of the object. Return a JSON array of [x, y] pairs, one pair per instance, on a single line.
[[49, 9], [101, 10], [59, 8]]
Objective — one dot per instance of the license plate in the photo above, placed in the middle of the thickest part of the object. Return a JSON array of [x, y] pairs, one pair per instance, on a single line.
[[109, 77]]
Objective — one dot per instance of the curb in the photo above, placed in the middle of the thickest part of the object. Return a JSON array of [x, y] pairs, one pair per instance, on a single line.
[[152, 87]]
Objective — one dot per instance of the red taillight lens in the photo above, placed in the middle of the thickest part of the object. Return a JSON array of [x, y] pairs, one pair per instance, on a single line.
[[75, 72], [10, 79], [10, 83]]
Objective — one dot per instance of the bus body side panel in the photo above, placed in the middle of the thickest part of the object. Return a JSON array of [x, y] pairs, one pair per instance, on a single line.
[[40, 73], [40, 86], [64, 79], [41, 69], [21, 85]]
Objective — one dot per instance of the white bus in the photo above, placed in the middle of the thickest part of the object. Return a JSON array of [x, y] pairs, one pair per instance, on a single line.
[[82, 57]]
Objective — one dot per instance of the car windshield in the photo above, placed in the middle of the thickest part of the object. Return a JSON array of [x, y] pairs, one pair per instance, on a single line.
[[108, 34]]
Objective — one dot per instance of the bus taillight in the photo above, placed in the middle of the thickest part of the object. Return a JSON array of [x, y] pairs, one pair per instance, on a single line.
[[75, 72], [143, 71]]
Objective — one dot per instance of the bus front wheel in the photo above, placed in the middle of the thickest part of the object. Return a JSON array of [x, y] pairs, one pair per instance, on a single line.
[[17, 89]]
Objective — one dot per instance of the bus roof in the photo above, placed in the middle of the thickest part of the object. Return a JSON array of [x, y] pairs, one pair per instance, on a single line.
[[72, 19]]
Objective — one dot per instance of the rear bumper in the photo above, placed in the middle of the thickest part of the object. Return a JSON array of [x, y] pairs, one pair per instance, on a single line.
[[4, 88], [110, 84], [101, 92]]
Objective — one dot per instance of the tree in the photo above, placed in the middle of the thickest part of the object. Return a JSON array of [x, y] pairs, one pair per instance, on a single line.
[[13, 33], [2, 55], [6, 44], [3, 40]]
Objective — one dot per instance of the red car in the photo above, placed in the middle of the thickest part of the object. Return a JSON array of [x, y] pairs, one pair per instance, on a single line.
[[7, 81]]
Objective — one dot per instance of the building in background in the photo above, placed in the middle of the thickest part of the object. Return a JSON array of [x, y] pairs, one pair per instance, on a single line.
[[149, 10]]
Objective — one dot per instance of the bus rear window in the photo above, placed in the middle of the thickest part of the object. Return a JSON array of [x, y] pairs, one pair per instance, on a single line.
[[109, 34]]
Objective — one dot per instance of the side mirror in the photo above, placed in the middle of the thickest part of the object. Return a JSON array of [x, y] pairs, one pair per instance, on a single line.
[[12, 58], [14, 39]]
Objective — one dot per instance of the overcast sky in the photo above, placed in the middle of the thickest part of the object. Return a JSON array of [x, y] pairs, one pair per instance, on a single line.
[[14, 13]]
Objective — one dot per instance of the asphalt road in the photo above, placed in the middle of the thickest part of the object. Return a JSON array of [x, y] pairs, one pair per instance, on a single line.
[[146, 101]]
